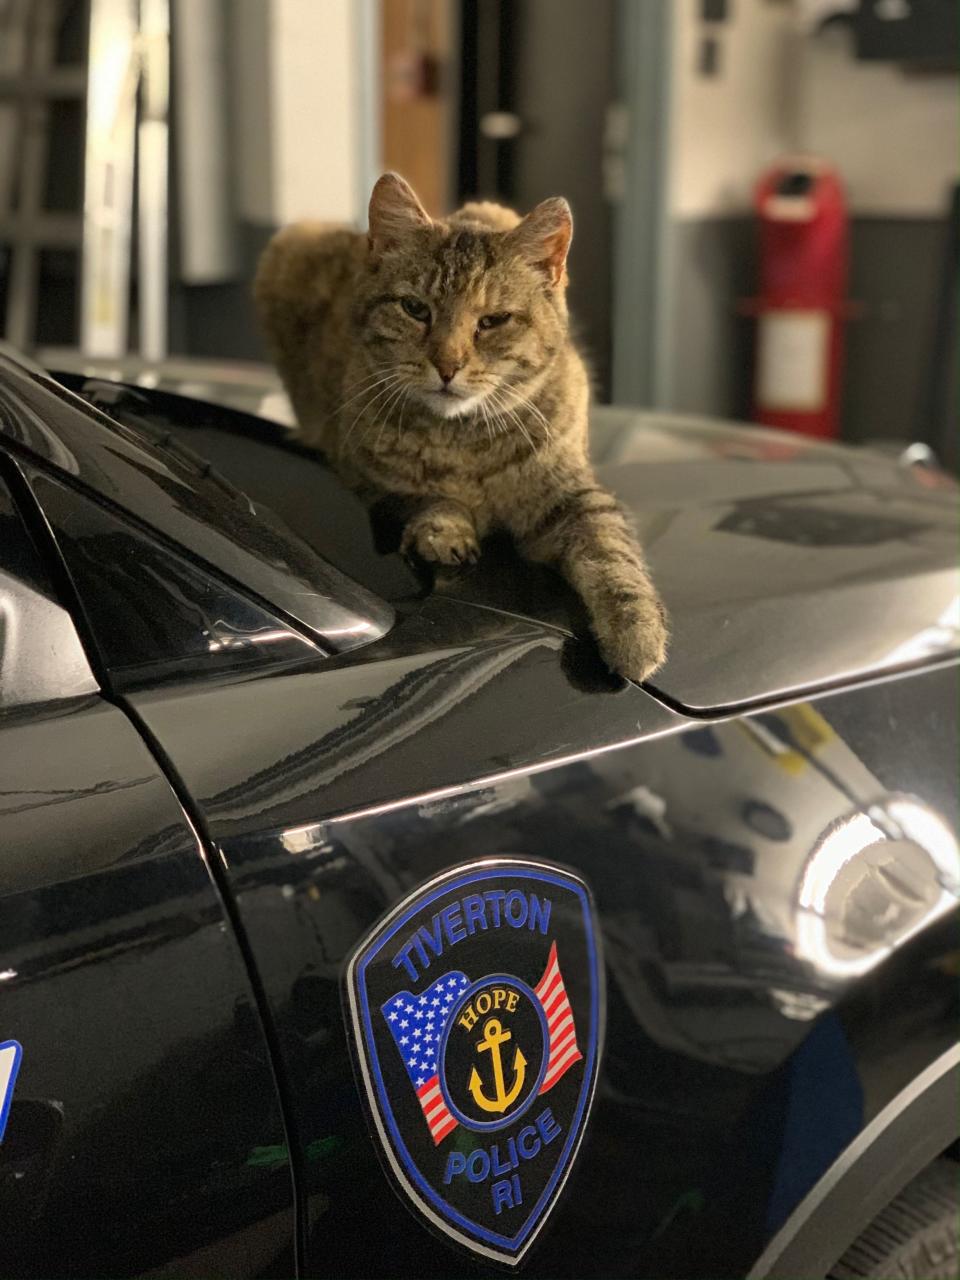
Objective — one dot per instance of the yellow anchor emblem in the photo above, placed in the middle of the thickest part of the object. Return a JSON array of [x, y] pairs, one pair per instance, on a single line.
[[493, 1037]]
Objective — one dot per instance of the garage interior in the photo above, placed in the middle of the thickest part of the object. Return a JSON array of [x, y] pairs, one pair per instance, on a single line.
[[149, 148]]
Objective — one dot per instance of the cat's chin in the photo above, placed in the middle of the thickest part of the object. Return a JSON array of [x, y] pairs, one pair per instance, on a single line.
[[445, 405]]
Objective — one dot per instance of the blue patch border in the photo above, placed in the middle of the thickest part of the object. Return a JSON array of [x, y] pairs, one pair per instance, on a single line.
[[7, 1100], [491, 1126], [458, 877]]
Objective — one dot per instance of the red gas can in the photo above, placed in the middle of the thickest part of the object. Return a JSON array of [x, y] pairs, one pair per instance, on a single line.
[[804, 260]]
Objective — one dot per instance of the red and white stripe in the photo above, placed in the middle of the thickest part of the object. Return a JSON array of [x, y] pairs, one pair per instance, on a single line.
[[439, 1119], [563, 1034]]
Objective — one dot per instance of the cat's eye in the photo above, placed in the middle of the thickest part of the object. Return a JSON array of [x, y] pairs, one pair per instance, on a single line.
[[416, 309], [493, 321]]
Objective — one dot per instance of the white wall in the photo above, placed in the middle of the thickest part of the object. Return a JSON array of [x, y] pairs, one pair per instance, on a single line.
[[315, 128], [725, 129], [894, 137], [302, 107]]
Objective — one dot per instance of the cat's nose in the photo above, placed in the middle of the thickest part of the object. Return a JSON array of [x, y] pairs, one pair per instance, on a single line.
[[447, 369]]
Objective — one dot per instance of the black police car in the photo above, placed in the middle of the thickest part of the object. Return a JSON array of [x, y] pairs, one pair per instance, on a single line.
[[356, 927]]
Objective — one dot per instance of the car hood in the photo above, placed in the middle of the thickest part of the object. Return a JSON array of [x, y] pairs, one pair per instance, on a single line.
[[785, 564]]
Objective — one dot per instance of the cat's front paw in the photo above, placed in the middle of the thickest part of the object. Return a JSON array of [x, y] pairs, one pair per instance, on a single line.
[[442, 538], [633, 639]]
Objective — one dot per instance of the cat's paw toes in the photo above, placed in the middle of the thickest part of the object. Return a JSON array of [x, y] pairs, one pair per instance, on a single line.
[[441, 540], [635, 645]]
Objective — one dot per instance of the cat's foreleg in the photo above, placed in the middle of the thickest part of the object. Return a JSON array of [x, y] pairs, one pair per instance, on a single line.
[[584, 533]]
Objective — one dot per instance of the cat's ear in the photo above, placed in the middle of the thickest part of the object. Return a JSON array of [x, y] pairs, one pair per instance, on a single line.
[[543, 237], [395, 211]]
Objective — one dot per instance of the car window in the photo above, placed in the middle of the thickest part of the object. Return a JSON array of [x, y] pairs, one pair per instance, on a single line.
[[154, 615], [186, 503], [263, 460], [41, 656]]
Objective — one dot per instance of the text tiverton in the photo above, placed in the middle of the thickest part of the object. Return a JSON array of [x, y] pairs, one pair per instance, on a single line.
[[493, 909]]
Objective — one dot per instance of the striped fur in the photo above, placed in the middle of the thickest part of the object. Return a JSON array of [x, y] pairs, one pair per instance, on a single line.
[[505, 445]]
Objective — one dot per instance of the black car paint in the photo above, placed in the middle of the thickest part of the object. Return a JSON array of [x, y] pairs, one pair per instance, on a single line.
[[144, 1127], [710, 1009], [735, 1068]]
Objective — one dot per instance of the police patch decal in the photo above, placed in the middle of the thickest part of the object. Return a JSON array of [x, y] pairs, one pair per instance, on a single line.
[[476, 1009], [10, 1055]]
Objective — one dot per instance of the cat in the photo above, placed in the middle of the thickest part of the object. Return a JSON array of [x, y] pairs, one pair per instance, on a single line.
[[431, 361]]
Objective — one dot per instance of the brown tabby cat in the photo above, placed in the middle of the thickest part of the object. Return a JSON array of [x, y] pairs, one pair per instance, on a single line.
[[431, 361]]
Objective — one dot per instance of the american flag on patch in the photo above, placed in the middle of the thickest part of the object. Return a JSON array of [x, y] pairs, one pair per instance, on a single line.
[[552, 994], [416, 1024]]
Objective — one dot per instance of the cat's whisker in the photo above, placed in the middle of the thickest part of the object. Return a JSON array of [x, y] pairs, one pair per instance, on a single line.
[[503, 427], [485, 405], [364, 408], [392, 367], [499, 395], [499, 426], [514, 417], [368, 384], [384, 412], [486, 419], [521, 427], [526, 428], [496, 423], [403, 404], [370, 398], [516, 399], [524, 402], [390, 377]]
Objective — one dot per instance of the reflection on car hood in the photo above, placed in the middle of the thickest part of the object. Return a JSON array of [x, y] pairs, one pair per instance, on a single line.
[[786, 564]]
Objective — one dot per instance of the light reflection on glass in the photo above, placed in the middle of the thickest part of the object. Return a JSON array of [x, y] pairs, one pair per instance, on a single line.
[[930, 832], [909, 864], [226, 641]]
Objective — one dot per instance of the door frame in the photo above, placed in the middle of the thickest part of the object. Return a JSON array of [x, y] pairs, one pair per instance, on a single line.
[[642, 358]]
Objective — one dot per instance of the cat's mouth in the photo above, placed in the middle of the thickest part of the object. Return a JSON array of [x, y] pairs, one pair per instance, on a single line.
[[447, 402]]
